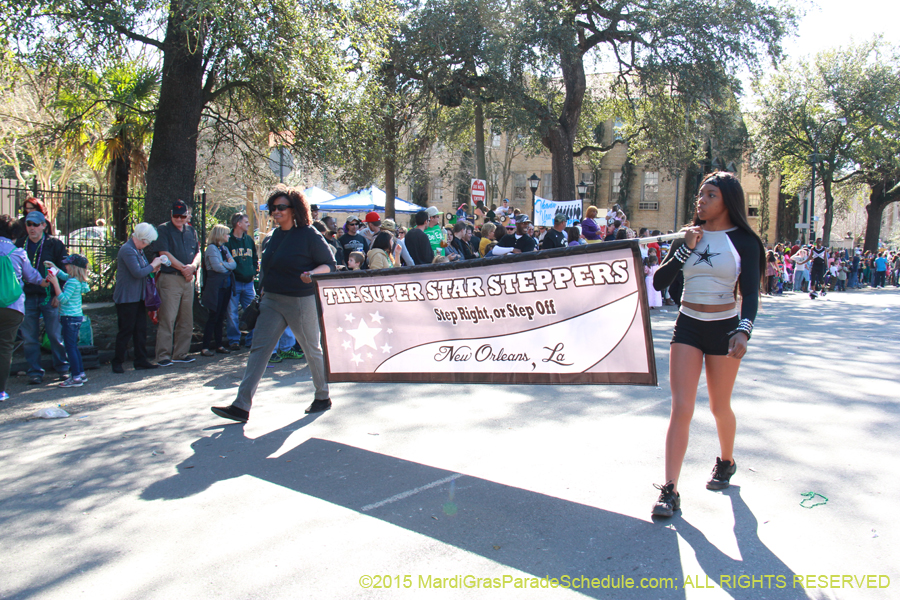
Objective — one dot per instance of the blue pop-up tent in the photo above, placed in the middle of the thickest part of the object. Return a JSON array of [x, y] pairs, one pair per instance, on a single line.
[[367, 200]]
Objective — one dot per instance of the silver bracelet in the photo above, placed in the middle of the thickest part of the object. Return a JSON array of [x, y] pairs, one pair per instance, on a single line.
[[745, 326], [682, 254]]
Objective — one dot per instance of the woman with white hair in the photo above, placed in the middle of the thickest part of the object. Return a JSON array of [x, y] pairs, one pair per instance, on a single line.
[[132, 270]]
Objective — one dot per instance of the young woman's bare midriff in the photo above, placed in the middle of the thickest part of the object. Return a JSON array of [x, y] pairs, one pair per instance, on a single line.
[[708, 308]]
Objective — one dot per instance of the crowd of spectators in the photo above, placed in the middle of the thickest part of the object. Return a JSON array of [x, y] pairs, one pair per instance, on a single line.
[[158, 272]]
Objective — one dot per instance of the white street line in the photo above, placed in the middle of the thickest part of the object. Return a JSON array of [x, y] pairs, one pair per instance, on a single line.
[[412, 492]]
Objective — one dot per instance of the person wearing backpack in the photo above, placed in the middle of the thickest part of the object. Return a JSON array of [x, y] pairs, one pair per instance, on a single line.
[[14, 271], [42, 248]]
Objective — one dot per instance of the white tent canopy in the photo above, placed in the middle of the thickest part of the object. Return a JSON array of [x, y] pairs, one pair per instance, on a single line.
[[367, 200], [316, 195]]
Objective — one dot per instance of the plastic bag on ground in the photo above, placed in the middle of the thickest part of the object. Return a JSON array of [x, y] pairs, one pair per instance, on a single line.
[[50, 413]]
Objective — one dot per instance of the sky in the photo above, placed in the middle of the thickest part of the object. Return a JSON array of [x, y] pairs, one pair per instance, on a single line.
[[826, 24], [830, 23]]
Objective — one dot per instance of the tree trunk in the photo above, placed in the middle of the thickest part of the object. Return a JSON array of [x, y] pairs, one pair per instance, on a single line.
[[480, 164], [171, 168], [390, 168], [829, 210], [390, 145], [560, 137], [879, 198], [121, 170]]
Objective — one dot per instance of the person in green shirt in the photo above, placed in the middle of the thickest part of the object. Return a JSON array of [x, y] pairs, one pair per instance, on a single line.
[[434, 231], [243, 249]]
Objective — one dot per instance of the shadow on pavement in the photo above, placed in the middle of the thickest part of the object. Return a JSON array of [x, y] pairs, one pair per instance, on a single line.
[[773, 578], [522, 529]]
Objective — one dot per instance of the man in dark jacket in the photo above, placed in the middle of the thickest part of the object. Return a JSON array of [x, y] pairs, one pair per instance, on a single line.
[[243, 250], [42, 248], [417, 243]]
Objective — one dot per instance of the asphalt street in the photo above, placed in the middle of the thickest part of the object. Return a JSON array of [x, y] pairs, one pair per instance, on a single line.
[[426, 490]]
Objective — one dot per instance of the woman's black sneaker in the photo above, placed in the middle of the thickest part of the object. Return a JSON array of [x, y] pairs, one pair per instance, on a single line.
[[669, 500], [231, 412], [318, 406], [721, 475]]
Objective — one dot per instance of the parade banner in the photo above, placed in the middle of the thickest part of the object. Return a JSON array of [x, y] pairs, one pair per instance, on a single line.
[[545, 210], [567, 316]]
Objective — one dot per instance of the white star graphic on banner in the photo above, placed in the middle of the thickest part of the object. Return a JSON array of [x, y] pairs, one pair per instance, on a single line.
[[346, 344], [390, 331], [340, 329], [385, 349], [349, 317], [364, 335], [368, 355], [376, 317], [357, 359]]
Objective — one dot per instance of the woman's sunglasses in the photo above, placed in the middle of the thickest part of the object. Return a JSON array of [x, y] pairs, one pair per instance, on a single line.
[[279, 207]]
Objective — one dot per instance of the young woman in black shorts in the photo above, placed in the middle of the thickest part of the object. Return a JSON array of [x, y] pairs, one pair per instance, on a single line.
[[719, 254]]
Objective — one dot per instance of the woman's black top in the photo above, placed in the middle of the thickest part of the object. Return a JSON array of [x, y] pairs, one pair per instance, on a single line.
[[288, 255]]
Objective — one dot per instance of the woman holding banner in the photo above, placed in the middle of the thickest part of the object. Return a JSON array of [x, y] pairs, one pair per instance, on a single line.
[[294, 252], [720, 253]]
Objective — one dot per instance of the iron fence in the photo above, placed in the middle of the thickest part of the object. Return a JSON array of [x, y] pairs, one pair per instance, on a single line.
[[82, 217]]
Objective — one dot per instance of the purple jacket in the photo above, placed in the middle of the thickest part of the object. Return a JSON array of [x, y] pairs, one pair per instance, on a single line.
[[590, 229]]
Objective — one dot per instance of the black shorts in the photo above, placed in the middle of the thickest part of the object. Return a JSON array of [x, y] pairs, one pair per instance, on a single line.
[[711, 337], [817, 274]]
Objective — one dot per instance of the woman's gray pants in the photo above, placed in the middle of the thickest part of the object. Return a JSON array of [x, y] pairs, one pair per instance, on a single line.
[[276, 312]]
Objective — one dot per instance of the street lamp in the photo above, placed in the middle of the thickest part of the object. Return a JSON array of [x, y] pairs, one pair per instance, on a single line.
[[582, 189], [533, 182]]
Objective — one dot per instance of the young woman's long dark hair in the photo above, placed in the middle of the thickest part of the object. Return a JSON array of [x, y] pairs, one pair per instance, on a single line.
[[383, 241], [733, 197]]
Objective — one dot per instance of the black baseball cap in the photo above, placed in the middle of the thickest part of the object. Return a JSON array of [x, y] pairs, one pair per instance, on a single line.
[[179, 208]]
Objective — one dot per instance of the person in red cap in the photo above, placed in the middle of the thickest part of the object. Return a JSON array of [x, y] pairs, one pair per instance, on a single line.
[[373, 227]]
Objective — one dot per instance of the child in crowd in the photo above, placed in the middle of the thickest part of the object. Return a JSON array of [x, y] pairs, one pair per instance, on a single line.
[[654, 297], [70, 313], [355, 261]]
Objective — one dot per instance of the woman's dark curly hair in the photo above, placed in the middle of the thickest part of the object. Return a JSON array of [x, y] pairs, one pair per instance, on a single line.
[[297, 199]]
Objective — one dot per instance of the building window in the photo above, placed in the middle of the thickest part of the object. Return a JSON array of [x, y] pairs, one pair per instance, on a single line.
[[495, 141], [547, 183], [616, 187], [618, 129], [519, 187], [752, 205], [648, 205], [650, 189], [437, 191]]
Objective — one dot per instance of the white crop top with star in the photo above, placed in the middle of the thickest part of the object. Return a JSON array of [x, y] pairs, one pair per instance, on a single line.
[[711, 270]]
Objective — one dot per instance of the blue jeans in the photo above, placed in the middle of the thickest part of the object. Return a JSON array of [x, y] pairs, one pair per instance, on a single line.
[[31, 327], [286, 341], [71, 327], [242, 296]]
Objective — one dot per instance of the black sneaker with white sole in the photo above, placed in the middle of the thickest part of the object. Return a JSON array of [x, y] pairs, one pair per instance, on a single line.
[[721, 474], [184, 359], [165, 362], [669, 500]]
